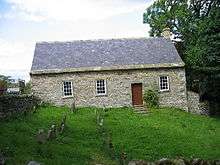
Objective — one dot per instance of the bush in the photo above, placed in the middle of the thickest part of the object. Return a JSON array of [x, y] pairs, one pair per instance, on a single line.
[[17, 104], [151, 98]]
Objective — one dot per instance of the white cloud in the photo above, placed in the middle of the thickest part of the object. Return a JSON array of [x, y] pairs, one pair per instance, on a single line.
[[64, 20], [15, 58], [73, 10]]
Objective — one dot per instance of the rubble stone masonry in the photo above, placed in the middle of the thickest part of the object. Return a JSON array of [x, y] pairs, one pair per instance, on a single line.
[[118, 82]]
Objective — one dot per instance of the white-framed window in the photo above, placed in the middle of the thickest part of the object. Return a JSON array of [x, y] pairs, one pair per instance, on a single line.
[[164, 83], [67, 88], [101, 87]]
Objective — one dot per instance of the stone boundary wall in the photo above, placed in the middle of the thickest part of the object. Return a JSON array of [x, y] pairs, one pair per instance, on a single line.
[[16, 104], [178, 161], [195, 105]]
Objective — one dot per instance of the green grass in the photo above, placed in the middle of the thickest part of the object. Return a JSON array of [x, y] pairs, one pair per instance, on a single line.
[[79, 144], [162, 133]]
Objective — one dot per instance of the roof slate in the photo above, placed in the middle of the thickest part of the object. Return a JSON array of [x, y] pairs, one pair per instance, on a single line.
[[104, 53]]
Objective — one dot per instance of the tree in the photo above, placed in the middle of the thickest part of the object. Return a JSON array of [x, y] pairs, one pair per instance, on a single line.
[[27, 88], [206, 51], [195, 22], [4, 81], [167, 13]]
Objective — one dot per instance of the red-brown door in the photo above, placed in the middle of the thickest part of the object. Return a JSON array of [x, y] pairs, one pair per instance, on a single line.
[[137, 94]]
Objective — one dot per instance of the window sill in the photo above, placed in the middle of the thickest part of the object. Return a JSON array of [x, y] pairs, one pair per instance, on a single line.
[[162, 91], [101, 95], [67, 97]]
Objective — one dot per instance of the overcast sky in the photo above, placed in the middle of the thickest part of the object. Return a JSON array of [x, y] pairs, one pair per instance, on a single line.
[[25, 22]]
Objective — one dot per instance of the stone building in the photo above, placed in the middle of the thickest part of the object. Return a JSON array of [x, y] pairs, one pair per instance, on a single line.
[[112, 73]]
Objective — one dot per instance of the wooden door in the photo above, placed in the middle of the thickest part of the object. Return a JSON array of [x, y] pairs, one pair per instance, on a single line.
[[137, 94]]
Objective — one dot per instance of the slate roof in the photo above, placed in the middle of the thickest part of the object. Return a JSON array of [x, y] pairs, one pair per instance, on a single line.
[[104, 53]]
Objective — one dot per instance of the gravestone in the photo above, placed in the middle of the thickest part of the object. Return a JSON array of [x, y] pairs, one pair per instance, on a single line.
[[41, 136], [2, 159], [62, 128], [54, 131], [63, 120], [73, 107], [49, 134], [101, 122], [33, 163]]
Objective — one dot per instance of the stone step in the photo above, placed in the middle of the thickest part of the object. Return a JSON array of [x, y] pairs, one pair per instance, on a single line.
[[138, 105], [140, 112], [137, 110], [140, 109]]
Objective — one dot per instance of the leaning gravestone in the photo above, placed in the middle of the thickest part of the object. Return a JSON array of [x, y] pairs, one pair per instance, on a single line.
[[62, 128], [101, 122], [41, 136], [54, 131], [63, 119], [73, 107], [49, 134], [2, 159], [33, 163]]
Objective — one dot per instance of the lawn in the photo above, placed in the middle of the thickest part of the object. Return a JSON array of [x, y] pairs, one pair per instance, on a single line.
[[164, 133], [161, 133]]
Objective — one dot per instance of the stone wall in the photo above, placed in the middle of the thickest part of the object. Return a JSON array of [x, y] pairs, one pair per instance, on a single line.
[[177, 161], [16, 104], [49, 87], [194, 104]]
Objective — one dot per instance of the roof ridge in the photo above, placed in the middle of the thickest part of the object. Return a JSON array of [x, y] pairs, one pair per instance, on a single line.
[[100, 39]]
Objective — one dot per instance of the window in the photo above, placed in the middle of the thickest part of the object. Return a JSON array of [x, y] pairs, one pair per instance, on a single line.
[[100, 87], [164, 83], [67, 88]]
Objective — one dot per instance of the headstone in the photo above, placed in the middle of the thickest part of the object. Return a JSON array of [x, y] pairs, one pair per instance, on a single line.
[[33, 163], [97, 118], [41, 136], [101, 122], [62, 128], [49, 134], [2, 159], [34, 109], [63, 120], [73, 107], [54, 131]]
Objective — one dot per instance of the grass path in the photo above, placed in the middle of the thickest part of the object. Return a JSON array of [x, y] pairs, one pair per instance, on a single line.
[[162, 133]]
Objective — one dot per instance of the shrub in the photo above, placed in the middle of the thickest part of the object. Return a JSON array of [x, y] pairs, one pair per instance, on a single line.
[[151, 98], [14, 105]]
